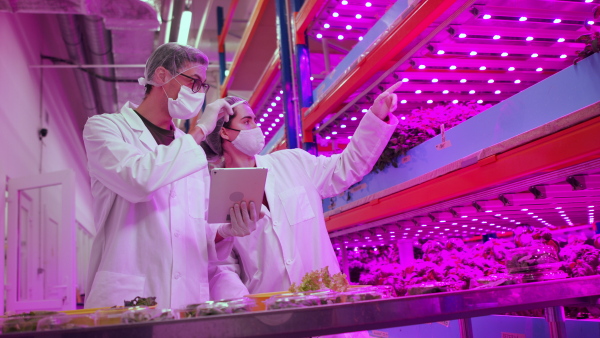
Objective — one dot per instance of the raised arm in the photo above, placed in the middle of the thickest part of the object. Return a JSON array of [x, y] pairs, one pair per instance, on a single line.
[[332, 175], [127, 170]]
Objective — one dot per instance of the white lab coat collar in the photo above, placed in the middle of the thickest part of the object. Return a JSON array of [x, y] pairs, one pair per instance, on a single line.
[[136, 123]]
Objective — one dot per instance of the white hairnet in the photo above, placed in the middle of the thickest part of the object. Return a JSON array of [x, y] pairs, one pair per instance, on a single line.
[[213, 144], [173, 57]]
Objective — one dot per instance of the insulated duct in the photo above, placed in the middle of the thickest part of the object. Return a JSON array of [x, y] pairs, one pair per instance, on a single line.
[[73, 40], [99, 51], [109, 32]]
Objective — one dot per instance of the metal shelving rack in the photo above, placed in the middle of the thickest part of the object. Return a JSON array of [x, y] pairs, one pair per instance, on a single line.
[[368, 315]]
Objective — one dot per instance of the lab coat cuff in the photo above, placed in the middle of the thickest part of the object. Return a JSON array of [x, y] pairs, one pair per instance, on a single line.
[[372, 119], [218, 251], [198, 152]]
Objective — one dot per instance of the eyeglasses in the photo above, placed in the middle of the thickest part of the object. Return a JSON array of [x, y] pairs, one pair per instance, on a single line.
[[197, 84]]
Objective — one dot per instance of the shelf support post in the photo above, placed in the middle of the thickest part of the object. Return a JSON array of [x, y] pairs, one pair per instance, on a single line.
[[303, 73], [290, 105], [465, 327], [555, 316], [222, 61]]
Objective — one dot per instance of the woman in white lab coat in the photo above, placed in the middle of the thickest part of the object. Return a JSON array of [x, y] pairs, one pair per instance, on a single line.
[[149, 188], [291, 239]]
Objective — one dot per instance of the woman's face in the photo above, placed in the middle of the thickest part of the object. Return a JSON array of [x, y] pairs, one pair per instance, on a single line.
[[243, 119]]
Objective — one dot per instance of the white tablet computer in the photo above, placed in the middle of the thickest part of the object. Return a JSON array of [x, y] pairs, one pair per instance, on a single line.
[[234, 185]]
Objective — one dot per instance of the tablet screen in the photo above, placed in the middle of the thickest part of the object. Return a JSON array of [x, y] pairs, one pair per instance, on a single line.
[[234, 185]]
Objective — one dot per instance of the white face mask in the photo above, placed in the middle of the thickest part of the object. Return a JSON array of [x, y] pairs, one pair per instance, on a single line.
[[187, 105], [249, 142]]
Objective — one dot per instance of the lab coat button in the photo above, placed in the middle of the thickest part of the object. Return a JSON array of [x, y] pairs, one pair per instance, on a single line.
[[176, 234], [173, 194], [177, 275], [289, 261]]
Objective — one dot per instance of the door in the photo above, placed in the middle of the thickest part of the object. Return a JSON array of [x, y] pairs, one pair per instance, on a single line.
[[41, 243]]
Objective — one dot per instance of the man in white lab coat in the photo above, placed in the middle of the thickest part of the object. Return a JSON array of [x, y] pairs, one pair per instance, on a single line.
[[149, 183], [291, 239]]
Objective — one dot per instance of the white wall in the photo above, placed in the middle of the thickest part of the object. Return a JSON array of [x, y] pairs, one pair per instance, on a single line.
[[23, 111]]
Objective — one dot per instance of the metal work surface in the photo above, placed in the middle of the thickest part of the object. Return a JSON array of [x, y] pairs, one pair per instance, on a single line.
[[322, 320]]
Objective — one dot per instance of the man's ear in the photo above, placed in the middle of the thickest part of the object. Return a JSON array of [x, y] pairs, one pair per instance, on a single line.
[[161, 74]]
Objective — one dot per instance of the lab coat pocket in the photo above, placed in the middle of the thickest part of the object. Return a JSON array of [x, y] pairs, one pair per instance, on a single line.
[[112, 288], [195, 196], [296, 205]]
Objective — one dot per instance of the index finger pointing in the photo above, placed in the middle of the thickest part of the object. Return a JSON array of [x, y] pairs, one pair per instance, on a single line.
[[394, 87]]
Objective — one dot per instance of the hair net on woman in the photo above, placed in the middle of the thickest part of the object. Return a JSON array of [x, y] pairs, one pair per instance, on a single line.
[[212, 145], [173, 57]]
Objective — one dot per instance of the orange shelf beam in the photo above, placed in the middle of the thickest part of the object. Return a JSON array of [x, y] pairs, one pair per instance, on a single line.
[[226, 24], [249, 32], [381, 57], [309, 11], [265, 81], [565, 148]]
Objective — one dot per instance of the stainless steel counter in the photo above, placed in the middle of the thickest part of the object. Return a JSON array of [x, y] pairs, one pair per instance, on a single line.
[[330, 319]]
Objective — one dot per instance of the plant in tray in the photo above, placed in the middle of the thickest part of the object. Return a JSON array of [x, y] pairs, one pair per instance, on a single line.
[[25, 321], [321, 279], [421, 125], [140, 301]]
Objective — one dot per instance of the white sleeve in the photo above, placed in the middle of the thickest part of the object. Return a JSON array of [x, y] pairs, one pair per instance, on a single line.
[[221, 251], [224, 277], [129, 172], [332, 175]]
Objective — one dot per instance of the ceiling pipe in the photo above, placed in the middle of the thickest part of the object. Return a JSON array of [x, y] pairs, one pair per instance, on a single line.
[[107, 26], [203, 23], [178, 8], [99, 51], [72, 37], [166, 17], [90, 66]]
